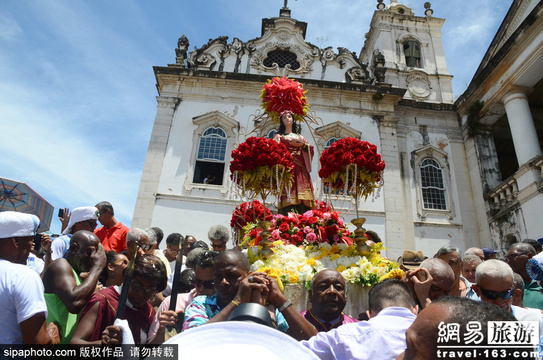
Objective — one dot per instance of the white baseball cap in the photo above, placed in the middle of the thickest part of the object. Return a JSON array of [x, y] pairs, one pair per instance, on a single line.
[[81, 214]]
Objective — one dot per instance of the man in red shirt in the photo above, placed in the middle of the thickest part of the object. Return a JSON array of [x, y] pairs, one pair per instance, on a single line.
[[112, 234]]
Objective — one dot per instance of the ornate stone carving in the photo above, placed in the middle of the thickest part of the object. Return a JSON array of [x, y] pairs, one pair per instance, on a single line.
[[302, 58], [327, 55], [359, 74], [418, 84], [236, 46], [283, 35], [181, 51], [206, 60], [200, 58]]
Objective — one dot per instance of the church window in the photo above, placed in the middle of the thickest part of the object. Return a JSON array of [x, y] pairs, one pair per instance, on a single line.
[[210, 160], [330, 142], [281, 58], [271, 133], [432, 185], [412, 52]]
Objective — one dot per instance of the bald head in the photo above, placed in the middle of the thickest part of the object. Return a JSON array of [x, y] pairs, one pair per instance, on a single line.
[[233, 257], [423, 335], [83, 244], [443, 276], [323, 274]]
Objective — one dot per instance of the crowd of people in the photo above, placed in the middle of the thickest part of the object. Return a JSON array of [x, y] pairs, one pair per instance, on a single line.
[[70, 292]]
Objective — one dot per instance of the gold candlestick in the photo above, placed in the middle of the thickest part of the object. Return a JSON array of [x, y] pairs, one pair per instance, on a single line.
[[360, 239], [265, 250]]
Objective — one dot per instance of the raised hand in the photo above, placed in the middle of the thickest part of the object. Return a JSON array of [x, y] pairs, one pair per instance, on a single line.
[[98, 258], [65, 219]]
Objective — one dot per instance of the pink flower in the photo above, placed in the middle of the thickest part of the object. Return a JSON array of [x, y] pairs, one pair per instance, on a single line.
[[308, 213], [276, 234], [311, 237], [326, 216], [308, 229]]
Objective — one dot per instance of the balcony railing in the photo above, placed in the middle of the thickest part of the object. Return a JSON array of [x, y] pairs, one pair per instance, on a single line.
[[504, 196]]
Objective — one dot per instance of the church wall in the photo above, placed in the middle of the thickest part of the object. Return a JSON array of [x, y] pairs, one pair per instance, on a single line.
[[431, 238], [439, 130]]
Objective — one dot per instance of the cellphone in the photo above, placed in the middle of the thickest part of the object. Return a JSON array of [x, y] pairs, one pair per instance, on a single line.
[[60, 212]]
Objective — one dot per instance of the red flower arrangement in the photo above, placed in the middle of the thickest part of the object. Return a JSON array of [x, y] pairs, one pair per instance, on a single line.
[[314, 226], [249, 212], [261, 165], [280, 94], [353, 165]]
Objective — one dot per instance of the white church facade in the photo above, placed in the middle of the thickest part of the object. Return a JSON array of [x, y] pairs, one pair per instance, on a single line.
[[396, 94]]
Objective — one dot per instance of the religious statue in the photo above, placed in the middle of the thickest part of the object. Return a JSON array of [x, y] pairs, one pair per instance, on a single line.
[[302, 196]]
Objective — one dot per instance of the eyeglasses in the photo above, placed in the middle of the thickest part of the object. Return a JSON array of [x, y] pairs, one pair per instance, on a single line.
[[142, 245], [209, 284], [493, 295], [513, 256], [121, 261], [138, 286]]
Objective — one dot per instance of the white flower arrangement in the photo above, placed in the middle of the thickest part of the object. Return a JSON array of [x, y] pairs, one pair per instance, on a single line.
[[296, 264]]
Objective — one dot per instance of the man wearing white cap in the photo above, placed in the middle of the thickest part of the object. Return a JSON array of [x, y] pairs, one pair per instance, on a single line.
[[81, 218], [21, 290]]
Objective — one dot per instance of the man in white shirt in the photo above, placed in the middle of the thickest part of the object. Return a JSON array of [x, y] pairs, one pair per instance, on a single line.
[[21, 289], [495, 285], [391, 312]]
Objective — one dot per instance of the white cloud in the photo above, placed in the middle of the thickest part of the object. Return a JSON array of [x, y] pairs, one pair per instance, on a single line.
[[9, 29]]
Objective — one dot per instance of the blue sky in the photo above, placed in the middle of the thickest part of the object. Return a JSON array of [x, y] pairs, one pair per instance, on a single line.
[[77, 89]]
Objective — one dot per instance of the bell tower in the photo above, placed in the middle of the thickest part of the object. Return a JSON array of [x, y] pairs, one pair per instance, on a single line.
[[412, 50]]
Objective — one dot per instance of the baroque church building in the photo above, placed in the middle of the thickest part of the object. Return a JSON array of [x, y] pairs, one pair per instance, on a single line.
[[442, 181]]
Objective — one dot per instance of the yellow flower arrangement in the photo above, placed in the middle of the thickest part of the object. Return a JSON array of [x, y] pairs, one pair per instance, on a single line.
[[298, 264]]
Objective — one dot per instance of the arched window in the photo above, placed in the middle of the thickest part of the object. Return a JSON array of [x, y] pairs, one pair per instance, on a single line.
[[271, 133], [281, 58], [210, 160], [411, 50], [432, 185], [330, 142]]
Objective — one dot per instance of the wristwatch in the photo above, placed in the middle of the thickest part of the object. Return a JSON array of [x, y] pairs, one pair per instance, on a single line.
[[285, 306]]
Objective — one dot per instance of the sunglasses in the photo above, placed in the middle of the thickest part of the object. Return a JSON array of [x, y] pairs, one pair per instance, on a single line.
[[512, 257], [138, 286], [91, 223], [143, 246], [121, 261], [493, 295], [209, 284]]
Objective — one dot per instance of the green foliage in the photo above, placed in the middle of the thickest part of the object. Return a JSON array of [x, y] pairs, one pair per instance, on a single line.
[[473, 123], [378, 97]]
